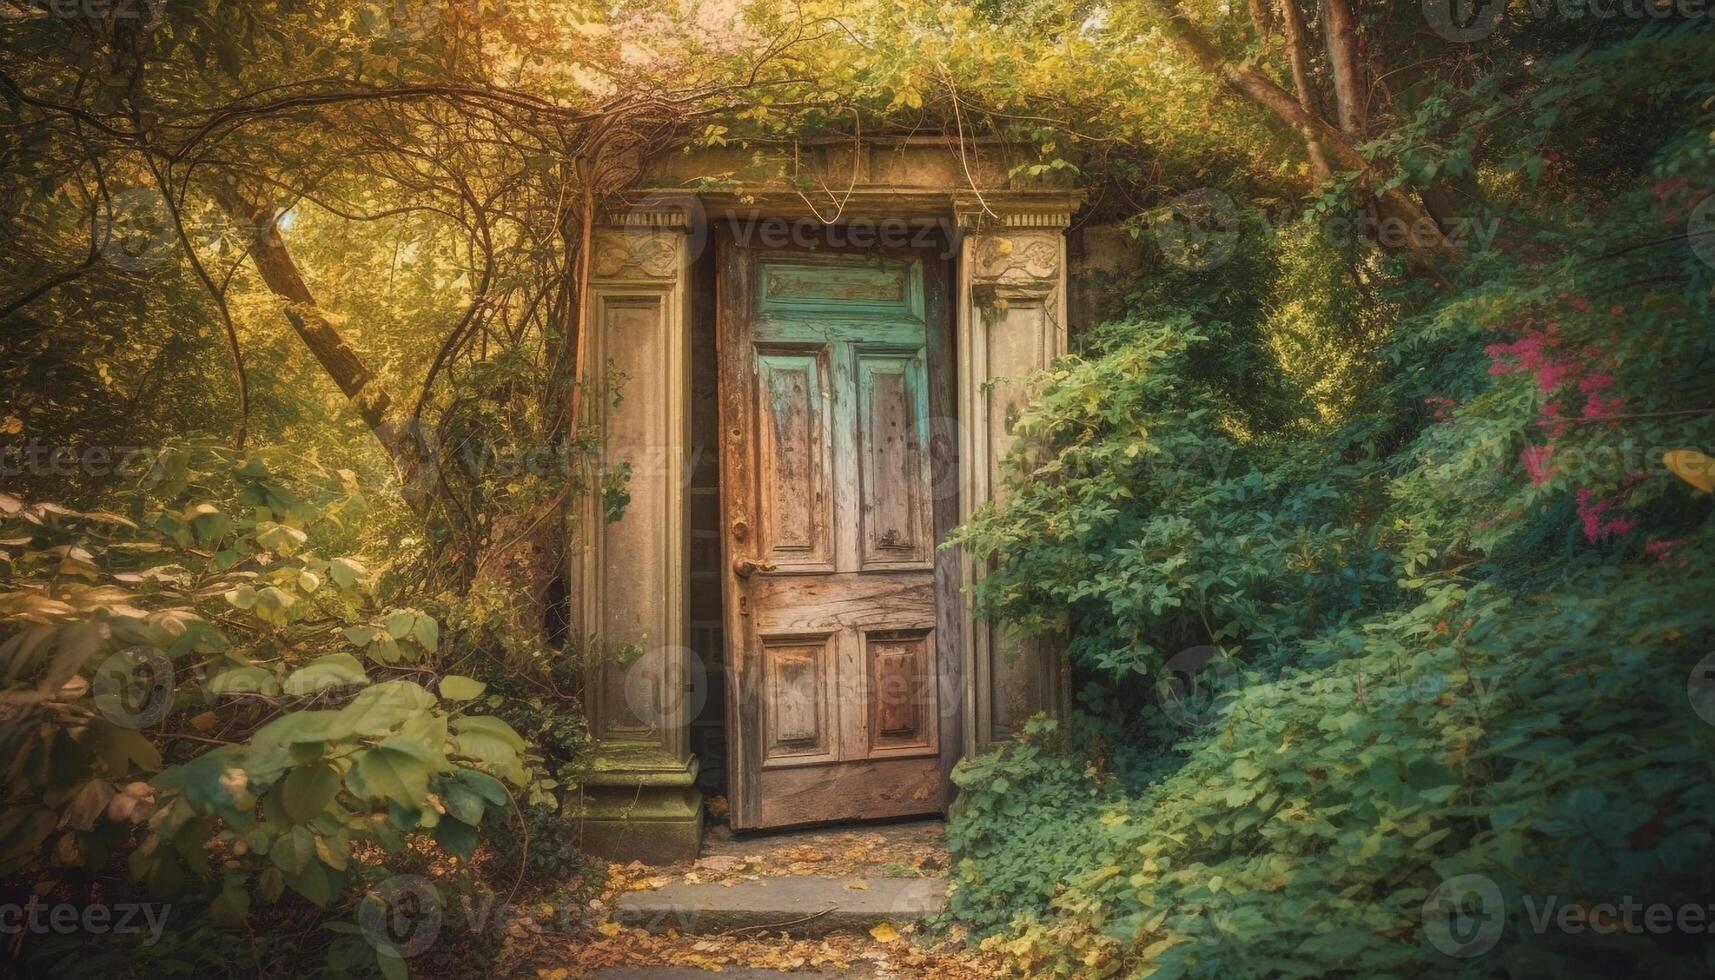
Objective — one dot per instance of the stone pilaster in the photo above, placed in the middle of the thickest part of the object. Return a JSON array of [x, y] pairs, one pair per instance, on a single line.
[[640, 801], [1011, 323]]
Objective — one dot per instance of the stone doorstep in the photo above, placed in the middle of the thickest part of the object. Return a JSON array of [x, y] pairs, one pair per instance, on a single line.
[[796, 905]]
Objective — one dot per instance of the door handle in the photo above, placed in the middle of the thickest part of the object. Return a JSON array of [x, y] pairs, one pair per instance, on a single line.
[[744, 568]]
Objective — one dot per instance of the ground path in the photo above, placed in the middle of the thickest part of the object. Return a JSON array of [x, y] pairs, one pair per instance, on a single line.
[[805, 905]]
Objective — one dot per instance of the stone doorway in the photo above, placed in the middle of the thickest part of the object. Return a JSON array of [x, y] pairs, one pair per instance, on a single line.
[[652, 578]]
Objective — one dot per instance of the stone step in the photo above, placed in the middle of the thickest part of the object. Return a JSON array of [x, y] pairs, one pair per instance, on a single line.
[[795, 905]]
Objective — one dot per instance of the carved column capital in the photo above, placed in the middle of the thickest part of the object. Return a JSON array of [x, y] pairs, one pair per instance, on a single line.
[[1016, 257], [640, 244]]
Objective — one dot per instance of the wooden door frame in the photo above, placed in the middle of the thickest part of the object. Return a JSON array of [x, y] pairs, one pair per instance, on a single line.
[[734, 278]]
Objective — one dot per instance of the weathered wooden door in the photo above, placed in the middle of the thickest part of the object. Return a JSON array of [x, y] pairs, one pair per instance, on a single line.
[[832, 375]]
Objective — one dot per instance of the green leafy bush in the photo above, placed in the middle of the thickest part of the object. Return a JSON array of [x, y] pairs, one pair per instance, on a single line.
[[201, 689], [1544, 743], [1456, 612]]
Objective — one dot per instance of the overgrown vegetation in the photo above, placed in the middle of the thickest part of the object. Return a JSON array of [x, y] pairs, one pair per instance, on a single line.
[[1432, 611], [1357, 515]]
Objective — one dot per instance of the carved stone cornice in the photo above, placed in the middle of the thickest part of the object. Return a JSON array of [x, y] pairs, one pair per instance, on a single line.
[[1057, 215], [654, 215]]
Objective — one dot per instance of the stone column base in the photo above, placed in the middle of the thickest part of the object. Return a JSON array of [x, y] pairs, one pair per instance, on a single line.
[[654, 817]]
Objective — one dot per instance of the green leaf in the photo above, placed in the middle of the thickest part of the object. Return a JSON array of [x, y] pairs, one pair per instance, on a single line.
[[463, 802], [122, 750], [233, 903], [308, 790], [271, 885], [244, 680], [274, 605], [336, 670], [456, 837], [483, 785], [386, 706], [345, 572], [280, 539], [318, 883], [399, 623], [427, 633], [386, 650], [386, 773], [361, 636], [490, 726], [456, 687], [294, 851]]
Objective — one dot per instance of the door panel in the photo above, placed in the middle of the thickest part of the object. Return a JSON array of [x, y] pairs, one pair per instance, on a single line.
[[892, 433], [902, 684], [836, 677], [794, 440], [797, 696]]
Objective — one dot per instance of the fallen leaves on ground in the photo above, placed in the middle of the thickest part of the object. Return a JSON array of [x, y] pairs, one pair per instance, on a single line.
[[901, 850]]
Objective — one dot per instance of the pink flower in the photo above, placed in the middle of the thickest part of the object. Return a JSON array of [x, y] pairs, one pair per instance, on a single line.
[[1590, 513], [1527, 350], [1536, 463], [1597, 407], [1550, 421], [1661, 550], [1551, 375]]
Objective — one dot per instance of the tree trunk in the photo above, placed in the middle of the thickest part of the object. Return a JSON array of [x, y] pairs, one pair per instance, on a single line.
[[1340, 33], [1263, 18], [1297, 52], [1417, 231], [336, 356]]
